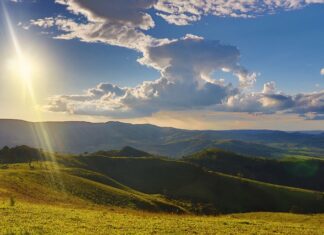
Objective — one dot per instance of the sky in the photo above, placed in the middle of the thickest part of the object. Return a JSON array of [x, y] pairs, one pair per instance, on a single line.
[[211, 64]]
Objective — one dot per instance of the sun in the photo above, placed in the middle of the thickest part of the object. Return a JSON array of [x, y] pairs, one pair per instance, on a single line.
[[22, 67]]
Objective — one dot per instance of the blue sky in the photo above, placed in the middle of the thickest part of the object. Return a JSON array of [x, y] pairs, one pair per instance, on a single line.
[[282, 46]]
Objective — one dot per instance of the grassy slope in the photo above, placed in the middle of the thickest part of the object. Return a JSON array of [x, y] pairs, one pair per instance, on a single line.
[[218, 193], [76, 209], [305, 173], [74, 186], [26, 218], [140, 182]]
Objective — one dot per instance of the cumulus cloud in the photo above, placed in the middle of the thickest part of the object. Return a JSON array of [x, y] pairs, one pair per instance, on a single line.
[[115, 22], [125, 12], [270, 101], [186, 65], [186, 82], [193, 58]]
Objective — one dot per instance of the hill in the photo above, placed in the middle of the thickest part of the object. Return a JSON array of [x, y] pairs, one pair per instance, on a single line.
[[43, 185], [305, 173], [147, 183], [124, 152], [249, 149], [78, 137], [207, 192]]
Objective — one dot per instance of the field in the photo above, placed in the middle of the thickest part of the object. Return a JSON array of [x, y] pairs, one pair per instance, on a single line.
[[144, 195], [27, 218]]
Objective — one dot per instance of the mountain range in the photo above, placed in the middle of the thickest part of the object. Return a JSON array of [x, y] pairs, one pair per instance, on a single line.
[[80, 137]]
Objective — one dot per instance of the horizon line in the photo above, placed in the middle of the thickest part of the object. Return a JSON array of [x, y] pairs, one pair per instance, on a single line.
[[138, 124]]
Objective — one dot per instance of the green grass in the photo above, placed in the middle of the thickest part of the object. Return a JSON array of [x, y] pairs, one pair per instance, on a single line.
[[119, 195], [27, 218], [75, 186], [296, 172], [150, 184], [214, 192]]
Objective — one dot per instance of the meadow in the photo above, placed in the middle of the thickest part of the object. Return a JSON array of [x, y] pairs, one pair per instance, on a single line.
[[97, 194], [28, 218]]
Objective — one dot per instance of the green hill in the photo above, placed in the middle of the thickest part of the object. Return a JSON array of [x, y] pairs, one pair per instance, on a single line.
[[249, 149], [305, 173], [206, 192], [74, 186], [148, 183], [124, 152]]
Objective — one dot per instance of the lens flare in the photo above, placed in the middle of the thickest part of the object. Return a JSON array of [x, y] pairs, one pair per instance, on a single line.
[[24, 69]]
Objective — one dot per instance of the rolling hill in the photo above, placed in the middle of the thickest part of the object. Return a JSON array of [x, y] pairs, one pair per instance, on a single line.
[[147, 183], [106, 192], [79, 137], [305, 173]]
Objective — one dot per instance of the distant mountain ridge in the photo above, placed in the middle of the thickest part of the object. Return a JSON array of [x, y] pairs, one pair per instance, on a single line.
[[78, 137]]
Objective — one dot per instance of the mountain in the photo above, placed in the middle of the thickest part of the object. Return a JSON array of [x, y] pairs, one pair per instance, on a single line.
[[147, 183], [305, 173], [78, 137]]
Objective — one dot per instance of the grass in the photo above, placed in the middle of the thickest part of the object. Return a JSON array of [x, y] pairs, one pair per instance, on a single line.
[[307, 173], [151, 184], [102, 195], [219, 193], [43, 186], [27, 218]]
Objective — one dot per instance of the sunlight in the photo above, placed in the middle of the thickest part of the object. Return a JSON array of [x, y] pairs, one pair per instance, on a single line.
[[23, 67]]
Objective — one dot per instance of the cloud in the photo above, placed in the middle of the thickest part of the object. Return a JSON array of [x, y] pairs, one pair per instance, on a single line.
[[47, 22], [115, 22], [123, 22], [186, 83], [313, 116], [181, 12], [124, 12], [271, 101], [186, 66], [322, 71], [193, 58]]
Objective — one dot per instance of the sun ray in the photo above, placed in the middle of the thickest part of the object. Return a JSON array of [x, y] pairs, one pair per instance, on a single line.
[[25, 74]]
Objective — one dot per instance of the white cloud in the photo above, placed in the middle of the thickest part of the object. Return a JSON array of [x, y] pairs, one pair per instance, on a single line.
[[181, 12], [322, 71], [47, 22], [115, 22], [119, 12], [271, 101], [269, 88], [186, 65], [192, 58]]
